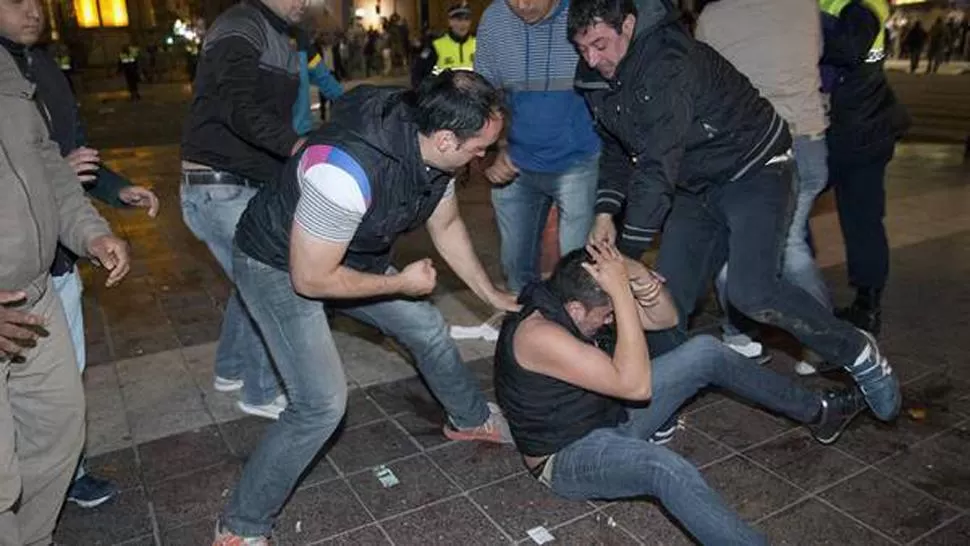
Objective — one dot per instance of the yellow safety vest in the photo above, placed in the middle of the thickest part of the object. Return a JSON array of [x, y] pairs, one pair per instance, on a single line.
[[64, 61], [453, 55], [880, 8]]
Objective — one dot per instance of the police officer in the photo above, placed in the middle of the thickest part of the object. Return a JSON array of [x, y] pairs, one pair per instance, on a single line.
[[866, 120], [128, 66], [455, 50]]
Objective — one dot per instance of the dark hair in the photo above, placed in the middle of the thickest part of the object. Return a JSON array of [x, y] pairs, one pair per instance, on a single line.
[[459, 101], [586, 13], [571, 282]]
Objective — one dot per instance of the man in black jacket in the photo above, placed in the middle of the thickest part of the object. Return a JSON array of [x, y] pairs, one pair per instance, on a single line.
[[57, 104], [237, 135], [686, 134], [866, 121], [383, 166]]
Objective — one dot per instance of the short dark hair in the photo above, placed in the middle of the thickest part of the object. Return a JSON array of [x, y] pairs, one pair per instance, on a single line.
[[571, 282], [586, 13], [459, 101]]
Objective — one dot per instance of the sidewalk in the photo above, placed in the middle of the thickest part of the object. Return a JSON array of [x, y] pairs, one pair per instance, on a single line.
[[948, 69]]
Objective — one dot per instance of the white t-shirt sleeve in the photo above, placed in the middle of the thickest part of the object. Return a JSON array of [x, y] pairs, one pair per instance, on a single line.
[[335, 193]]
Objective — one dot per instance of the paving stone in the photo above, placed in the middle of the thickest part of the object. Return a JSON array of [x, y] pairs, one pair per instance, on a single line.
[[199, 532], [320, 512], [650, 523], [370, 445], [370, 535], [751, 491], [182, 453], [118, 466], [522, 503], [406, 395], [122, 518], [812, 523], [802, 460], [455, 521], [194, 496], [473, 464], [956, 533], [737, 425], [940, 466], [427, 432], [593, 530], [420, 484]]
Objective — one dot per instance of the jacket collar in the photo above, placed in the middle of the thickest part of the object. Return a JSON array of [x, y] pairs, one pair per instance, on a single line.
[[12, 81], [275, 21]]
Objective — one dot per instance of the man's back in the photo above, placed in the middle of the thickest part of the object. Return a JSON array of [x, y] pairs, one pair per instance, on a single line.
[[247, 81]]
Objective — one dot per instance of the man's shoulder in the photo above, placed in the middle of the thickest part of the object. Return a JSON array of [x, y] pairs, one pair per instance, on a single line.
[[495, 16], [240, 21]]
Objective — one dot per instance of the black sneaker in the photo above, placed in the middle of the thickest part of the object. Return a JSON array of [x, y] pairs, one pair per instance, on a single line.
[[839, 408], [88, 491]]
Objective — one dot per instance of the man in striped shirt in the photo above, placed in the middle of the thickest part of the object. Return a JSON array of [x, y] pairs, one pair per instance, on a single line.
[[551, 152]]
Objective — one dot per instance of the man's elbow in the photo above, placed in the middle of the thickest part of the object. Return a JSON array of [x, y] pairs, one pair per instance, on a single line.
[[309, 285], [640, 392]]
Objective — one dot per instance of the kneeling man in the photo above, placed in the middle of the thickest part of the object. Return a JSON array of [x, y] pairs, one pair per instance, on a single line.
[[582, 417]]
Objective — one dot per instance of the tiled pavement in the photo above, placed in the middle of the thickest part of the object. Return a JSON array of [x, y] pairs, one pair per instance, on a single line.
[[157, 427]]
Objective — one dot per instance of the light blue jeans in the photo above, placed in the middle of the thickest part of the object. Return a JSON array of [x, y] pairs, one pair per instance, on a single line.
[[299, 338], [620, 462], [812, 173], [69, 289], [522, 208], [211, 212]]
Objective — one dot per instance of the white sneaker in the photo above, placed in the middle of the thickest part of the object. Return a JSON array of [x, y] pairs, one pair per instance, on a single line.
[[222, 384], [751, 349], [804, 368], [269, 411]]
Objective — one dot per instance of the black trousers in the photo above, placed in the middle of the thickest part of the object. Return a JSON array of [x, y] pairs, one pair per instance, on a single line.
[[860, 195]]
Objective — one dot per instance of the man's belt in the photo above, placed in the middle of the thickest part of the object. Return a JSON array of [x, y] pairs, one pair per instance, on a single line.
[[202, 177]]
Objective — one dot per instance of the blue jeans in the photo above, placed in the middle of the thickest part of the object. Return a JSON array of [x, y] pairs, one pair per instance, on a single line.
[[69, 289], [298, 335], [619, 462], [811, 161], [522, 208], [211, 212], [746, 224]]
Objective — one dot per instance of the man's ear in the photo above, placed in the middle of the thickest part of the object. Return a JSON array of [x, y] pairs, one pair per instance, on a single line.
[[629, 24], [576, 310], [444, 141]]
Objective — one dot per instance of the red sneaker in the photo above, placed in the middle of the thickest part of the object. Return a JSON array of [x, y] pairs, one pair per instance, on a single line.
[[495, 429]]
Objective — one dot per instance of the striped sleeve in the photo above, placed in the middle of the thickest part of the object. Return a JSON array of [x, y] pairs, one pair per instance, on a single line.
[[335, 193]]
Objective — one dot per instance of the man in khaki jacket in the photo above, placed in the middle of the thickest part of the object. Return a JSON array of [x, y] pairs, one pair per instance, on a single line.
[[41, 399]]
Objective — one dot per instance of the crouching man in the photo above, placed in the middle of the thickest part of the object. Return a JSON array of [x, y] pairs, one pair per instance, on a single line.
[[381, 168], [577, 413]]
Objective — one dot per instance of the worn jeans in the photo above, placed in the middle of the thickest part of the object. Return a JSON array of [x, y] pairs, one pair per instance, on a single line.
[[298, 335], [811, 161], [522, 208], [745, 223], [620, 462], [211, 212]]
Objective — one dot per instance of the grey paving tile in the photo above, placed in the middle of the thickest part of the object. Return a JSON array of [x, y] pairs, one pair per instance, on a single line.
[[648, 522], [938, 466], [144, 540], [483, 370], [737, 425], [872, 441], [192, 534], [194, 496], [521, 503], [894, 509], [939, 392], [407, 395], [106, 417], [420, 484], [118, 466], [370, 535], [180, 412], [426, 430], [122, 518], [472, 464], [182, 453], [697, 448], [319, 512], [956, 533], [133, 344], [749, 490], [370, 445], [454, 521], [360, 409], [812, 523], [593, 530], [802, 460]]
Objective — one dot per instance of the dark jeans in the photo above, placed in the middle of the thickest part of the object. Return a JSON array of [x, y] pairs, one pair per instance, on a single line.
[[619, 462], [860, 195], [746, 224]]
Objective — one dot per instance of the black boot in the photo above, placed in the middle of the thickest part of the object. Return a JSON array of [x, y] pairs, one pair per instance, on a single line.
[[865, 312]]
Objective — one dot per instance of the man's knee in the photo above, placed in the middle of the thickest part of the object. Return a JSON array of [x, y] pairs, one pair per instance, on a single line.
[[319, 408], [754, 299], [670, 471]]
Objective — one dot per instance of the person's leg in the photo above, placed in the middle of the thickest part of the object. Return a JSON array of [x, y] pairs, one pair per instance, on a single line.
[[575, 195], [419, 326], [46, 402], [732, 334], [812, 173], [608, 464], [521, 211], [211, 212], [860, 197], [296, 330], [757, 211]]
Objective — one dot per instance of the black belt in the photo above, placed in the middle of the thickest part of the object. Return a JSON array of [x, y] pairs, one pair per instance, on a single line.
[[201, 177]]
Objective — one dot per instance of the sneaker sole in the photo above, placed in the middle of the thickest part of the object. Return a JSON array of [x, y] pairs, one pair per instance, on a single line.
[[90, 503], [458, 436], [258, 412], [227, 386], [835, 435], [881, 362]]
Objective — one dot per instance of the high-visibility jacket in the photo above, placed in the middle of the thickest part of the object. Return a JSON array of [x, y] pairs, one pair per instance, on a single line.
[[879, 8], [454, 55]]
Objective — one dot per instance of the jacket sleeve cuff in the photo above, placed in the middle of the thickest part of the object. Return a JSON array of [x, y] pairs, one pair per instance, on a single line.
[[631, 249], [607, 206]]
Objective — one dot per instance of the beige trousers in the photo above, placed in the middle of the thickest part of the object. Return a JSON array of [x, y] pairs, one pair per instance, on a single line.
[[41, 428]]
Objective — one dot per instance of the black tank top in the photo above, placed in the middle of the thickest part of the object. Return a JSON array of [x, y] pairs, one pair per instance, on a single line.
[[544, 413]]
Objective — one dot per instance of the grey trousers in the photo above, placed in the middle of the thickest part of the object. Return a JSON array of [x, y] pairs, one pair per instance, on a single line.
[[41, 427]]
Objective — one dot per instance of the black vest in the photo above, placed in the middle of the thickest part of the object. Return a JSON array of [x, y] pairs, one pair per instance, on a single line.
[[373, 126], [544, 413]]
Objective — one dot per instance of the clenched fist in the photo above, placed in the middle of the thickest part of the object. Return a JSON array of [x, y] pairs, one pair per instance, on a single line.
[[419, 278]]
